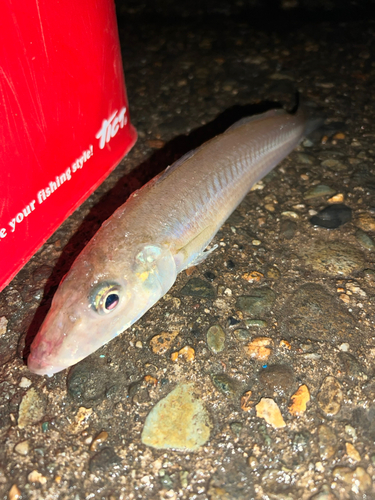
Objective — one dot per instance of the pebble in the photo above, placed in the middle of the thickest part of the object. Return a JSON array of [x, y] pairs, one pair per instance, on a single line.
[[197, 287], [31, 409], [104, 461], [216, 339], [352, 367], [273, 273], [278, 379], [268, 409], [305, 158], [36, 477], [22, 448], [155, 143], [253, 277], [299, 401], [334, 165], [162, 342], [241, 334], [25, 383], [358, 480], [3, 325], [14, 493], [333, 216], [236, 428], [365, 240], [260, 323], [338, 198], [225, 384], [365, 222], [187, 352], [246, 401], [288, 229], [80, 420], [317, 191], [258, 303], [260, 348], [313, 313], [327, 442], [352, 452], [333, 257], [324, 494], [98, 440], [179, 421], [330, 396]]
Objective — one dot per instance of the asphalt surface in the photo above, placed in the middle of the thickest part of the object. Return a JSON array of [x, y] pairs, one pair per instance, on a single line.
[[269, 343]]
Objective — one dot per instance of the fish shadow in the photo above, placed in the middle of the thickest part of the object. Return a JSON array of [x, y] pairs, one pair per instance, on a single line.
[[119, 193]]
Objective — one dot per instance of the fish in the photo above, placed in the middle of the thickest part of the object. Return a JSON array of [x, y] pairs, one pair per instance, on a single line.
[[162, 229]]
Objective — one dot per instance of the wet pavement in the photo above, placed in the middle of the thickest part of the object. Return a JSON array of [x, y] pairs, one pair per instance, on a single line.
[[253, 378]]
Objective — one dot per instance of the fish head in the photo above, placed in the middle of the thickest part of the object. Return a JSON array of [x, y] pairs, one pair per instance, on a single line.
[[90, 308]]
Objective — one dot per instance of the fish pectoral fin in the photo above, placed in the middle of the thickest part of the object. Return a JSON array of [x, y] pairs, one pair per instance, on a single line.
[[193, 252]]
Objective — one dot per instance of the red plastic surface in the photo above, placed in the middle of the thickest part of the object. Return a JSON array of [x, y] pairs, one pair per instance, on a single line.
[[64, 122]]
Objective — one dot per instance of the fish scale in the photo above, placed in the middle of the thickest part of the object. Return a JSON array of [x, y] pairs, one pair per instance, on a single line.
[[163, 228]]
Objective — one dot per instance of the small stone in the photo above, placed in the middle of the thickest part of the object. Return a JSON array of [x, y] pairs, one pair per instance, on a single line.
[[242, 334], [14, 493], [358, 480], [258, 303], [278, 379], [332, 216], [334, 165], [291, 215], [253, 277], [36, 477], [197, 287], [98, 440], [256, 243], [305, 158], [352, 452], [324, 493], [139, 344], [327, 442], [150, 380], [22, 448], [270, 207], [32, 408], [162, 342], [365, 240], [3, 325], [268, 409], [345, 298], [352, 367], [225, 384], [285, 344], [179, 421], [299, 401], [339, 136], [80, 420], [25, 383], [365, 222], [236, 428], [187, 352], [333, 257], [260, 348], [259, 323], [246, 401], [330, 396], [318, 191], [184, 474], [273, 273], [288, 229], [216, 339], [338, 198]]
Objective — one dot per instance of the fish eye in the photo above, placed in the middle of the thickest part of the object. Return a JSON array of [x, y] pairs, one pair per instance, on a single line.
[[105, 297]]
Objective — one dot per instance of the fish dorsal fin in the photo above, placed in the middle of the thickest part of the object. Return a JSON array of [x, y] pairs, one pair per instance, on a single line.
[[248, 119]]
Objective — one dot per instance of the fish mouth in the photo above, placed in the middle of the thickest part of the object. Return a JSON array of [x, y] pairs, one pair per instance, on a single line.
[[35, 365]]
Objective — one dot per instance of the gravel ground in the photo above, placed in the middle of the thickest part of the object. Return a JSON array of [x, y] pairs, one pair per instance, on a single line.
[[253, 378]]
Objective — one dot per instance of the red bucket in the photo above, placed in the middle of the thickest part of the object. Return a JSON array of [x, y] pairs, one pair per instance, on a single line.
[[64, 119]]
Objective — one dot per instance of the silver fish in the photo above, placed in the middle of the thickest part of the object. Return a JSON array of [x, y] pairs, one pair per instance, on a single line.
[[162, 229]]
